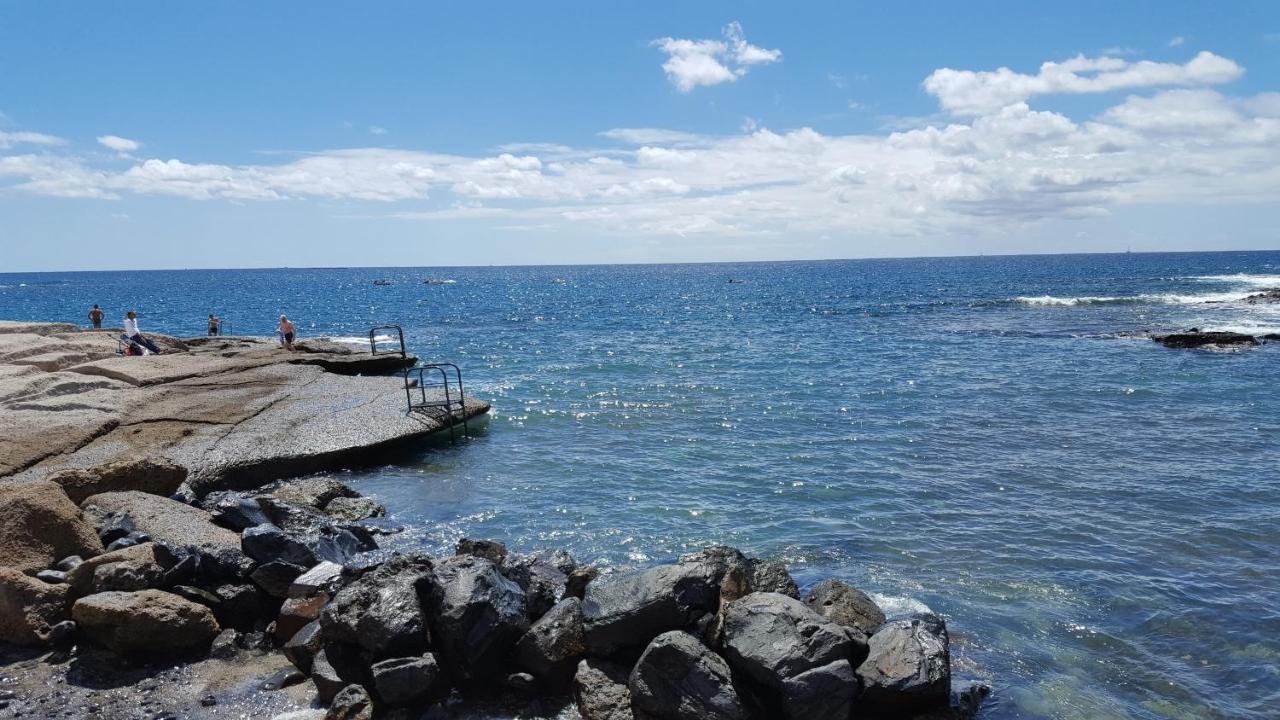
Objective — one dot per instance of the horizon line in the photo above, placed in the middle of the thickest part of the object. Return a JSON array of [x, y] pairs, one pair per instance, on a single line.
[[642, 263]]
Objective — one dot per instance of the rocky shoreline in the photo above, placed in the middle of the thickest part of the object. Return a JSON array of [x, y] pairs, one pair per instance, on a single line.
[[176, 574]]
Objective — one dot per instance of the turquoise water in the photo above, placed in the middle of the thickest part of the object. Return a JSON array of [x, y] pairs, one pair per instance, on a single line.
[[992, 438]]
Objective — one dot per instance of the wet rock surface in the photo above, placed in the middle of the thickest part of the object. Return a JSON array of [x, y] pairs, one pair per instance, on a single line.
[[678, 677], [1194, 338]]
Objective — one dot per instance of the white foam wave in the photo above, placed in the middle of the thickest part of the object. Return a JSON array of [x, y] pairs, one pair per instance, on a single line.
[[1147, 298], [1242, 279], [895, 606], [358, 339]]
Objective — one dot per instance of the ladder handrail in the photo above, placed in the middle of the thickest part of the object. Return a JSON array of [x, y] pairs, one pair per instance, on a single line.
[[445, 382], [373, 344]]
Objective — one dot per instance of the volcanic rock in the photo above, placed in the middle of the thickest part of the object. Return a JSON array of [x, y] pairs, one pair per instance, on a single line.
[[409, 680], [679, 678], [477, 615], [351, 703], [382, 611], [600, 690], [552, 646], [773, 638], [908, 667], [630, 610]]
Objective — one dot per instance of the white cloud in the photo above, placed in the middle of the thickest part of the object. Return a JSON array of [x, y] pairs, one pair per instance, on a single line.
[[965, 92], [651, 136], [998, 171], [10, 139], [119, 144], [700, 63], [1177, 41], [376, 130]]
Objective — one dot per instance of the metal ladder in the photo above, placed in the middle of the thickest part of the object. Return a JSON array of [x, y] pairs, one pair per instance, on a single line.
[[373, 343], [454, 396], [454, 403]]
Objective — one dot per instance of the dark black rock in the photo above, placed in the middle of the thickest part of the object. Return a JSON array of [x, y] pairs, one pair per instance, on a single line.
[[325, 677], [69, 563], [600, 690], [302, 648], [234, 510], [121, 543], [543, 583], [208, 701], [772, 638], [282, 678], [578, 579], [632, 609], [908, 667], [182, 572], [491, 550], [772, 576], [554, 644], [679, 678], [477, 615], [222, 565], [53, 577], [850, 607], [1194, 338], [114, 526], [409, 681], [382, 611], [226, 645], [275, 577], [243, 606], [265, 543], [196, 595], [351, 703], [823, 692], [63, 635]]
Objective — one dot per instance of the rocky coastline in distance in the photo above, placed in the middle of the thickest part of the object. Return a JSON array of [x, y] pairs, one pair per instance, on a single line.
[[163, 559]]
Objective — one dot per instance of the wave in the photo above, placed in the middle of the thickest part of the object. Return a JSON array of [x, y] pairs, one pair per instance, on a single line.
[[1144, 299], [359, 339], [1256, 281]]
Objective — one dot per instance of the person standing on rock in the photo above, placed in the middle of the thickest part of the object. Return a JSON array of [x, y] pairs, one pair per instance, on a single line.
[[287, 333], [131, 329], [95, 317], [214, 325]]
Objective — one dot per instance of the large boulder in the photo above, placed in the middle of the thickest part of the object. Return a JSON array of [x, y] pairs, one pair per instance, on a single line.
[[632, 609], [847, 606], [145, 624], [600, 690], [542, 582], [169, 521], [382, 611], [29, 608], [39, 525], [772, 637], [354, 509], [301, 649], [234, 510], [477, 615], [772, 576], [149, 474], [409, 681], [679, 678], [553, 645], [908, 667], [823, 692]]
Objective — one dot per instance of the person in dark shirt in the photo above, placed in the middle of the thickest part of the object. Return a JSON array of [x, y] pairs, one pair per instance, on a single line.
[[95, 316]]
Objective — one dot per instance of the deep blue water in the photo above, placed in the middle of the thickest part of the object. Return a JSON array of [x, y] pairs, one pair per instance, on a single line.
[[1097, 516]]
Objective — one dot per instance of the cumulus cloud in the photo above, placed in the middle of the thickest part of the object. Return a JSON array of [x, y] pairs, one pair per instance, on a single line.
[[700, 63], [119, 144], [996, 171], [970, 93]]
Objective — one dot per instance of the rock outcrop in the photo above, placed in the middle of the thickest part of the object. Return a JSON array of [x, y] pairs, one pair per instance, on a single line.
[[677, 677], [908, 668], [1194, 338]]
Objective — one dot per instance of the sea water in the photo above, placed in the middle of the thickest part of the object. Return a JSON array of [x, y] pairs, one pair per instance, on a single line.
[[995, 439]]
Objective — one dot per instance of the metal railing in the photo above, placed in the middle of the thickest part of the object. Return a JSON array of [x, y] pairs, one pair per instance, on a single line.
[[447, 403], [373, 342]]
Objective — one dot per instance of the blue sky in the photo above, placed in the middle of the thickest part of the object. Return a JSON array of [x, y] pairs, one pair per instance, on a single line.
[[265, 134]]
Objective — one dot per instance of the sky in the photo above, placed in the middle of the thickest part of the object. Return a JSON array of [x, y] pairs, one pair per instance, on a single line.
[[246, 134]]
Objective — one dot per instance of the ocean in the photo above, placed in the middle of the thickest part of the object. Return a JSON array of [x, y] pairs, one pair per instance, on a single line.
[[993, 438]]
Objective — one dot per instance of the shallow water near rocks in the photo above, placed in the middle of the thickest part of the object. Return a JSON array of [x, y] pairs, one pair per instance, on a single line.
[[991, 438]]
